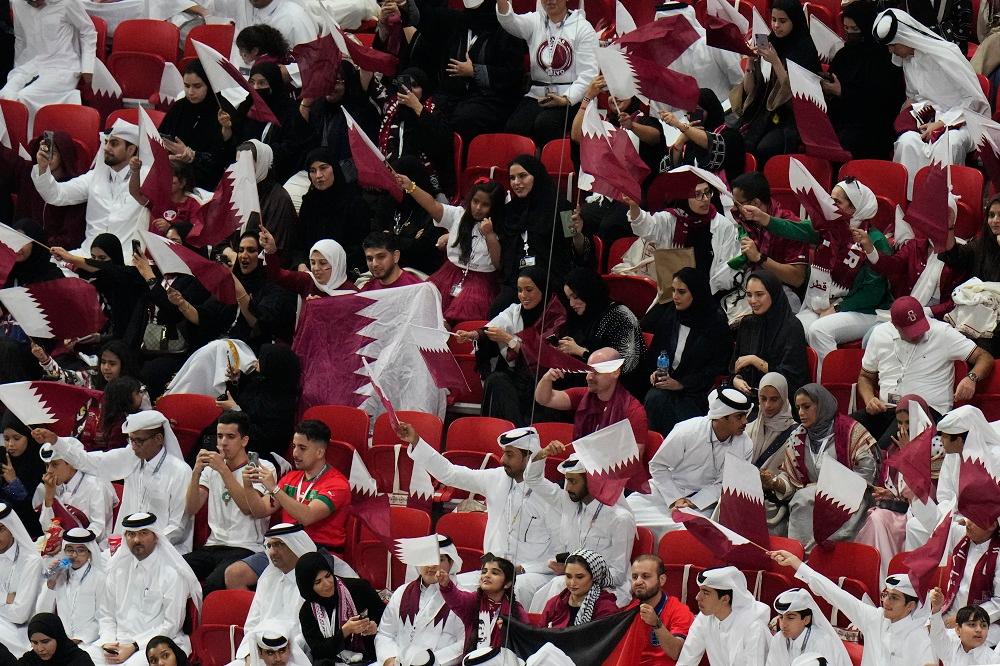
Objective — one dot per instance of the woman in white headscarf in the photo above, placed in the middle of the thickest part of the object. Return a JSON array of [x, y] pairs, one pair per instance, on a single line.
[[327, 274], [942, 86], [769, 433], [277, 214], [843, 290]]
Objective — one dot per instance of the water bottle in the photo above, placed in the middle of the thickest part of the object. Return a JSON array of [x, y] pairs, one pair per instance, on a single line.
[[57, 567], [663, 364]]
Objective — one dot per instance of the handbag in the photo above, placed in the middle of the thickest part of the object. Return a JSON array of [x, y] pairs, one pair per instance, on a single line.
[[162, 339]]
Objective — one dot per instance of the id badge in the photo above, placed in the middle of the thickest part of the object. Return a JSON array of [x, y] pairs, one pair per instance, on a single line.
[[456, 290], [527, 262]]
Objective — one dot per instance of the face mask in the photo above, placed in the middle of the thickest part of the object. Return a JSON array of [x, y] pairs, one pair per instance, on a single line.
[[852, 38]]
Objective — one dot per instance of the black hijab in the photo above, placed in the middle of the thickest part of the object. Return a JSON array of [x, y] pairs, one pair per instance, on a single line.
[[277, 97], [37, 266], [523, 213], [592, 290], [197, 125], [306, 569], [780, 310], [179, 655], [67, 652], [28, 467], [279, 365], [798, 44], [111, 246], [704, 309], [540, 277]]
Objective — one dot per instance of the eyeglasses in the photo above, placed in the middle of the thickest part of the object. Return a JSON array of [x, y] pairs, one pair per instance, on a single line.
[[702, 194], [140, 441]]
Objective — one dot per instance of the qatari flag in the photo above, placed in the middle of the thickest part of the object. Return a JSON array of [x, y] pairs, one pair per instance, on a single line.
[[319, 64], [537, 351], [662, 40], [612, 459], [826, 40], [912, 116], [726, 28], [612, 177], [680, 183], [11, 242], [839, 495], [811, 118], [389, 409], [156, 173], [741, 506], [441, 362], [370, 506], [232, 204], [923, 562], [105, 93], [62, 408], [370, 162], [986, 137], [69, 516], [63, 308], [365, 57], [928, 212], [817, 202], [171, 88], [913, 461], [174, 258], [978, 486], [227, 81], [719, 539], [629, 75]]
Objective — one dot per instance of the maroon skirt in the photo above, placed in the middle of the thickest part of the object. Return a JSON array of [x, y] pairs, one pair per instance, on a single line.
[[473, 301]]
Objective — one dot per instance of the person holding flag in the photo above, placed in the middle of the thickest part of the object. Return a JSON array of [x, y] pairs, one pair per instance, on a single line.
[[973, 577], [966, 643]]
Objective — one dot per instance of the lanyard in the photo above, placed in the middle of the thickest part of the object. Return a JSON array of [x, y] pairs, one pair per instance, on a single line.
[[299, 495], [593, 519]]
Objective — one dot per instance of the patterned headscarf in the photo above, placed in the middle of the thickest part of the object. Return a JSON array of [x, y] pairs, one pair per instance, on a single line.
[[601, 579]]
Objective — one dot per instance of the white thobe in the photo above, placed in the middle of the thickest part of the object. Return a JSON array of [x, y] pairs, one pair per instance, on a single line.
[[276, 600], [520, 525], [54, 43], [991, 606], [286, 16], [901, 643], [158, 486], [688, 464], [20, 573], [93, 496], [146, 599], [948, 648], [395, 635], [782, 652], [76, 600], [608, 530], [110, 208], [739, 640]]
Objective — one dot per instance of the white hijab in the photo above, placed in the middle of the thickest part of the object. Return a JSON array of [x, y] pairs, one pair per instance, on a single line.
[[862, 198], [763, 429], [334, 253], [263, 160]]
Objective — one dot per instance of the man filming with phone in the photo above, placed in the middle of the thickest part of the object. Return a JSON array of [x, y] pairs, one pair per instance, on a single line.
[[217, 479]]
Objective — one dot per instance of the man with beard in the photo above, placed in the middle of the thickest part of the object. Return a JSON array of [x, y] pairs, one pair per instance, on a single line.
[[382, 255], [267, 311], [110, 207], [669, 617]]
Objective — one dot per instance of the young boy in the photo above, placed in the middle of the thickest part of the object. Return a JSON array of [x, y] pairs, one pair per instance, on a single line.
[[804, 629], [965, 645]]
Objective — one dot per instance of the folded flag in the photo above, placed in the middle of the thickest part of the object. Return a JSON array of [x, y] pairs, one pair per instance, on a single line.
[[719, 539], [726, 28], [913, 461], [231, 207], [826, 40], [389, 409], [927, 214], [319, 65], [660, 41], [612, 175]]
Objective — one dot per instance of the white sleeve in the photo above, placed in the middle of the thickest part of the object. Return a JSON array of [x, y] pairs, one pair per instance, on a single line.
[[88, 34], [668, 456], [959, 345], [174, 607], [176, 530], [388, 628], [106, 622], [442, 469], [753, 647], [655, 228], [586, 58], [942, 640], [507, 319], [694, 644], [450, 219], [534, 476], [110, 465], [865, 616], [725, 246], [623, 538], [451, 644], [519, 25], [73, 191], [28, 588]]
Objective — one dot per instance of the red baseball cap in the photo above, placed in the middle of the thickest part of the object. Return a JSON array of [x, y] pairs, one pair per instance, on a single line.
[[908, 317]]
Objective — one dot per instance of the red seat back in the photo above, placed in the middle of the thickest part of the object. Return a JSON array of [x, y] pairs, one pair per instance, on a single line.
[[80, 122], [189, 415], [494, 150], [226, 607], [132, 116], [840, 372], [618, 249], [101, 26], [885, 178], [644, 544], [680, 547], [477, 433], [15, 114], [682, 583], [391, 466], [987, 396], [215, 644], [340, 456], [219, 36], [466, 529], [636, 292], [850, 560], [348, 424], [160, 38], [428, 426], [137, 73]]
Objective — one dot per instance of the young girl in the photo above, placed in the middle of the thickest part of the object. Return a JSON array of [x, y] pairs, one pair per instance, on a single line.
[[116, 359], [967, 643], [467, 281], [182, 205], [483, 611]]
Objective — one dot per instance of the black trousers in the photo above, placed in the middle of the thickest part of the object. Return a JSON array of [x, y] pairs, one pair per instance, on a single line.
[[540, 123], [209, 565]]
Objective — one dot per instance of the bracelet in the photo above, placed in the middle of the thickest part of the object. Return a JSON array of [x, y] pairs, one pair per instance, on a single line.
[[586, 100], [411, 188]]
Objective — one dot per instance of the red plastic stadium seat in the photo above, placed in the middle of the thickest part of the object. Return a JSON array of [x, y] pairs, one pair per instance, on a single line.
[[15, 114], [80, 122], [372, 557], [349, 424], [847, 559], [812, 358], [137, 73], [618, 249], [644, 543], [340, 456], [840, 372], [476, 433], [494, 151], [636, 292], [101, 26], [219, 36], [467, 529], [132, 116], [885, 178], [223, 614], [160, 38], [987, 397], [189, 415], [392, 468], [428, 426]]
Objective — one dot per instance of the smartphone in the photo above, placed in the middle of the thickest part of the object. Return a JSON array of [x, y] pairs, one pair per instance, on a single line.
[[363, 615], [552, 340], [253, 458], [111, 651], [3, 455], [136, 247], [697, 116], [49, 137], [760, 41], [168, 137], [566, 217], [561, 557]]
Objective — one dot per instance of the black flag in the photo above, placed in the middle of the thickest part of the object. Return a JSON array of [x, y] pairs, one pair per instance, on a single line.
[[587, 644]]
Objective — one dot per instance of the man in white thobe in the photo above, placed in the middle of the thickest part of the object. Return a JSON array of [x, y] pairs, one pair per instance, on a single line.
[[520, 525], [145, 595], [941, 83], [110, 207], [20, 581], [73, 593], [731, 627], [286, 16], [417, 619], [585, 522], [273, 644], [687, 469], [802, 629], [895, 634], [155, 474], [55, 42], [85, 493]]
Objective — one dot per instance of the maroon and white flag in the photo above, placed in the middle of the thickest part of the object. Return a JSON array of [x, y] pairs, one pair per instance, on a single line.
[[540, 352], [373, 171], [817, 202], [105, 93], [319, 65], [419, 551], [62, 408], [839, 495], [630, 75], [826, 40], [928, 212], [370, 506], [660, 41], [11, 242], [611, 457], [741, 506], [441, 362], [386, 405], [612, 175], [811, 119], [232, 204], [156, 173], [726, 28], [171, 88], [680, 183], [173, 258], [913, 461], [228, 81], [924, 562], [723, 542], [69, 516], [986, 137], [978, 483], [365, 57], [63, 308]]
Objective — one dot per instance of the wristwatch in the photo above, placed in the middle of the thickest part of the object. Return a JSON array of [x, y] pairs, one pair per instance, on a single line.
[[973, 376], [151, 282], [513, 342]]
